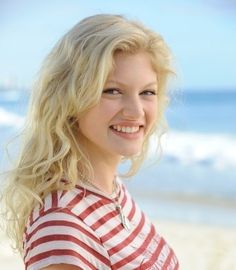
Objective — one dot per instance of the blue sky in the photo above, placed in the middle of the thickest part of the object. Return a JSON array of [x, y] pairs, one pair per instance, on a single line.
[[201, 34]]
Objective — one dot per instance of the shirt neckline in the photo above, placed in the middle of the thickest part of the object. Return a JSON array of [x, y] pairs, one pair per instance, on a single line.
[[113, 196]]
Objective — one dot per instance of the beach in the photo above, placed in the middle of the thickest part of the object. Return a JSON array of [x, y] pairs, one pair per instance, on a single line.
[[198, 247], [201, 247]]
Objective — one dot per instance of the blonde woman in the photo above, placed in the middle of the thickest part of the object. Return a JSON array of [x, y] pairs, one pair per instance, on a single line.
[[100, 95]]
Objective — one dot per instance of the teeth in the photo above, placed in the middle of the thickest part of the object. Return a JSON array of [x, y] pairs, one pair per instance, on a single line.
[[126, 129]]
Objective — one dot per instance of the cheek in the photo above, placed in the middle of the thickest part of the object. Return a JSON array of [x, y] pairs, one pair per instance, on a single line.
[[151, 112], [109, 107], [99, 115], [86, 123]]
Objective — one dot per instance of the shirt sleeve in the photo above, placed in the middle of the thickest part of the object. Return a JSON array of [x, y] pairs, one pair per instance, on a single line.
[[60, 237]]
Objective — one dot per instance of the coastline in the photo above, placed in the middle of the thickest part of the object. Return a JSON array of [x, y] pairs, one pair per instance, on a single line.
[[198, 247]]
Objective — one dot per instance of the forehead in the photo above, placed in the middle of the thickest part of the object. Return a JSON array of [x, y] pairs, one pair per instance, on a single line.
[[132, 68]]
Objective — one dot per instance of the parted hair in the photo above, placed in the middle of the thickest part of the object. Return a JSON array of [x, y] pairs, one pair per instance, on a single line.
[[69, 83]]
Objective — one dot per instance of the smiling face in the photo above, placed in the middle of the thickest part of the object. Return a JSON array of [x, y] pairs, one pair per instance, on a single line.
[[117, 125]]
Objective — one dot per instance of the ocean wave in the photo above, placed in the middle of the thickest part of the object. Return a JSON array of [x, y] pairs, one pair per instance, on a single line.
[[216, 150], [9, 119]]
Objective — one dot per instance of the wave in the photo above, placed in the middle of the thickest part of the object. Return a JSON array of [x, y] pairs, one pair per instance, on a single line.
[[9, 119], [215, 150]]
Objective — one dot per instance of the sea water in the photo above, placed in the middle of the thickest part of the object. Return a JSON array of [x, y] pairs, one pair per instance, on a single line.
[[195, 179]]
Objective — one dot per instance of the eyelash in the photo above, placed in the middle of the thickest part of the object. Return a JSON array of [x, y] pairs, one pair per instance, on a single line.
[[112, 90], [151, 92]]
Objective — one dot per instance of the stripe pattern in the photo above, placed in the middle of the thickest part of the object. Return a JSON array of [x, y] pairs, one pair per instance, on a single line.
[[82, 227]]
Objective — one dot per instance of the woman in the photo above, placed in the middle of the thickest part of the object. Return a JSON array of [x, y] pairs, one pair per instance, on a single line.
[[100, 95]]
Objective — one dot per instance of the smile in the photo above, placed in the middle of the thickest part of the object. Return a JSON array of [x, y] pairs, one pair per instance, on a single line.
[[126, 129]]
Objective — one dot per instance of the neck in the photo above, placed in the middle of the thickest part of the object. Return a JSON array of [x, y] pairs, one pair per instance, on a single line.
[[104, 178], [104, 166], [105, 171]]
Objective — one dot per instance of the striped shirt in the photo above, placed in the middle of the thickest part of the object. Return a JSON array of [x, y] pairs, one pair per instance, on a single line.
[[82, 227]]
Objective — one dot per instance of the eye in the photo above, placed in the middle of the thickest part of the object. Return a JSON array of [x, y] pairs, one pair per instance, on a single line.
[[148, 93], [111, 91]]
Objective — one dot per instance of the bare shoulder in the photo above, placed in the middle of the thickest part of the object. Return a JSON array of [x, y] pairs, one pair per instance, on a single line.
[[61, 267]]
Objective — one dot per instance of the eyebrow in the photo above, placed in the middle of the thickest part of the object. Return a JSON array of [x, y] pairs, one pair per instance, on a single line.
[[125, 85]]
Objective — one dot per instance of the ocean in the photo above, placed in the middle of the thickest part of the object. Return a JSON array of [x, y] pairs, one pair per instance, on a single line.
[[195, 179]]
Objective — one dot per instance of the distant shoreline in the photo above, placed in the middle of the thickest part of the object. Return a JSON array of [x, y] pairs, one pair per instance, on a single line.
[[202, 200], [178, 90]]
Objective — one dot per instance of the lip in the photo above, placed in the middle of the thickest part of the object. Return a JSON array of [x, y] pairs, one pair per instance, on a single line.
[[129, 136], [128, 124]]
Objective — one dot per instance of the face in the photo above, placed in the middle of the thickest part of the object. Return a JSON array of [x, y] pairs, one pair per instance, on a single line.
[[117, 125]]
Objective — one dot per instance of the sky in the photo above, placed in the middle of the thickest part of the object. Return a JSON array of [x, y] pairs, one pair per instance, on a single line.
[[201, 35]]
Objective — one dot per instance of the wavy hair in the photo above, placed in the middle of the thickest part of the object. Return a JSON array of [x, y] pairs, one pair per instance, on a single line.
[[69, 83]]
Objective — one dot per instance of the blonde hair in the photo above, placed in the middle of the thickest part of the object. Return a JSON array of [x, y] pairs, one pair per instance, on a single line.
[[70, 82]]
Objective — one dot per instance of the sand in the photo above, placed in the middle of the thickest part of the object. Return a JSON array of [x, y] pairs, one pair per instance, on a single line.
[[198, 247], [8, 259], [201, 247]]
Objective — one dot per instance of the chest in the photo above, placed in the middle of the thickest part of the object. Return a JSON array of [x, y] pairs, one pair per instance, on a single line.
[[138, 247]]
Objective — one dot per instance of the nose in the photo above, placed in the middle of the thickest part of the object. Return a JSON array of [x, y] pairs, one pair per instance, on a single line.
[[133, 108]]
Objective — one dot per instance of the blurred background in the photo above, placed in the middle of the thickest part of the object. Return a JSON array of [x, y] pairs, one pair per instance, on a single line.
[[194, 183]]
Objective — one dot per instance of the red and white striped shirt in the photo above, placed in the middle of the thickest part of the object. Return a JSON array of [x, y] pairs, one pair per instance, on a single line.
[[82, 227]]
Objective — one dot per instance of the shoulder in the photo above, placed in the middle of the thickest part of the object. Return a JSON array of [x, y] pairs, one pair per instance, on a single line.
[[55, 235], [55, 202], [56, 215]]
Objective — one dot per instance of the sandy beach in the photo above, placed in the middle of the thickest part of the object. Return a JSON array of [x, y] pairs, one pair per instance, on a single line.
[[201, 247], [198, 247]]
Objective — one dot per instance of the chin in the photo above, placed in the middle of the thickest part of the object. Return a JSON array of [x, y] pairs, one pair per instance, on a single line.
[[129, 152]]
